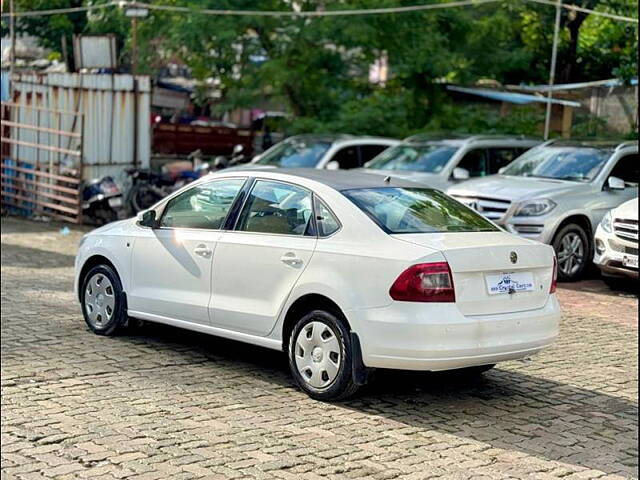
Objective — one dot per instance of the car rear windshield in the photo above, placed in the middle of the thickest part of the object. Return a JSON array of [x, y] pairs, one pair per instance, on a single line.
[[417, 210], [429, 158]]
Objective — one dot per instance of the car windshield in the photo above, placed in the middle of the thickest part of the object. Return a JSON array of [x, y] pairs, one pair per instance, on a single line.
[[295, 153], [417, 210], [429, 158], [578, 164]]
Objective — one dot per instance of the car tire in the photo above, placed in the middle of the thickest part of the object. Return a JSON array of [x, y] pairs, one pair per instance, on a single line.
[[321, 355], [102, 301], [573, 251]]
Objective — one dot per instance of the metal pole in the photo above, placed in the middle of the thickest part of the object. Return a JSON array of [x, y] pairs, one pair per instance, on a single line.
[[12, 36], [552, 69], [134, 44]]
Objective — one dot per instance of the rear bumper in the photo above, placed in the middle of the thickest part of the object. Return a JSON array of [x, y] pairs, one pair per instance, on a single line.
[[422, 336]]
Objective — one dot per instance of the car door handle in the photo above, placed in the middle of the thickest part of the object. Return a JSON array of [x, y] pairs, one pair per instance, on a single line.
[[203, 251], [291, 259]]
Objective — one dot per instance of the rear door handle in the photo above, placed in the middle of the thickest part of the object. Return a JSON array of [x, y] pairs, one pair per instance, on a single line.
[[203, 251], [291, 259]]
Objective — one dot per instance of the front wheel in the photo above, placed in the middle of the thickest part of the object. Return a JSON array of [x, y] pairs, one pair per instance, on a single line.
[[320, 356], [573, 249], [102, 301]]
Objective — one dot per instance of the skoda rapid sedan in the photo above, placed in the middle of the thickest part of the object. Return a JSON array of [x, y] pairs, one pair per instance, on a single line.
[[345, 272]]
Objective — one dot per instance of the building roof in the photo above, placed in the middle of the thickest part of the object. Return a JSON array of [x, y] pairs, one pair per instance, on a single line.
[[511, 97]]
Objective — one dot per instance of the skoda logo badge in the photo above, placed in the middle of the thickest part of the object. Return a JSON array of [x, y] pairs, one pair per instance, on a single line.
[[513, 256]]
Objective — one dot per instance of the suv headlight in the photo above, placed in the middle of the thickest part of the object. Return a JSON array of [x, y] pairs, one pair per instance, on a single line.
[[606, 222], [535, 208]]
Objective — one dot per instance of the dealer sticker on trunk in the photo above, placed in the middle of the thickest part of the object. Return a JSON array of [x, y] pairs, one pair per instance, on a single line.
[[509, 282]]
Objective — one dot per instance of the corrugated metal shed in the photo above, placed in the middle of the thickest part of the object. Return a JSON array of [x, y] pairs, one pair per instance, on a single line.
[[115, 110]]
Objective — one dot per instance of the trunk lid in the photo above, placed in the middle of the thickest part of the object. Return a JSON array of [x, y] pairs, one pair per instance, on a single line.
[[481, 260]]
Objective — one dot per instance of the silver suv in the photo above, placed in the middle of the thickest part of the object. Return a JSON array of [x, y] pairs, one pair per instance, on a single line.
[[557, 193], [440, 163]]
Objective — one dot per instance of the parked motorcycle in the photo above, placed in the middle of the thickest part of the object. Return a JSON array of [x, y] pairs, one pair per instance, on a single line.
[[102, 201], [148, 187]]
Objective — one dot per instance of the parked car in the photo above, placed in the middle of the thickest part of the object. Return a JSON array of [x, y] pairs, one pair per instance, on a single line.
[[616, 249], [323, 151], [344, 272], [440, 163], [557, 193]]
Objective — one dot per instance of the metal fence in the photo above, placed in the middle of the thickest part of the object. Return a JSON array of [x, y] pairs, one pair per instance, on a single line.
[[41, 164]]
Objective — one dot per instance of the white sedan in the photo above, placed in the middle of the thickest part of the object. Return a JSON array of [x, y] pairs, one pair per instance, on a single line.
[[345, 272]]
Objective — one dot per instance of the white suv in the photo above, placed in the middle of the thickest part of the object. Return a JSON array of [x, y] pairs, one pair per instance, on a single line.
[[616, 252], [557, 193], [328, 151]]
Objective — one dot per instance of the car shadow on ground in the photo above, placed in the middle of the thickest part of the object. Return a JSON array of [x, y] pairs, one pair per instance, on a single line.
[[503, 408]]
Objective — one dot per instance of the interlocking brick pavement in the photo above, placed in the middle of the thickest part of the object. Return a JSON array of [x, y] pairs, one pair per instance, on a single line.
[[162, 403]]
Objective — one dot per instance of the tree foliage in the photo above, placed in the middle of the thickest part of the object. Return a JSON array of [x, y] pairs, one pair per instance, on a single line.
[[318, 67]]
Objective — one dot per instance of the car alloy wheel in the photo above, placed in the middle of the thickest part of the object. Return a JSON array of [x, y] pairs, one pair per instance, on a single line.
[[571, 254], [317, 354]]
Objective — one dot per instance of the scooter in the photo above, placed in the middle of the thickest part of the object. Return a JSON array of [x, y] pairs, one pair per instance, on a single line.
[[102, 201]]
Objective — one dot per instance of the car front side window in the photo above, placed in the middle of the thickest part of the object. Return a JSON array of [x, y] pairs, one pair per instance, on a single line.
[[204, 206], [277, 208], [627, 169]]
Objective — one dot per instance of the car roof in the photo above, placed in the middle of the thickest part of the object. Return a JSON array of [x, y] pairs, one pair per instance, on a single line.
[[337, 137], [591, 143], [339, 180]]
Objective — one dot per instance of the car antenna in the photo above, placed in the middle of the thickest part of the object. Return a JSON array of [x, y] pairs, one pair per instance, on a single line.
[[387, 179]]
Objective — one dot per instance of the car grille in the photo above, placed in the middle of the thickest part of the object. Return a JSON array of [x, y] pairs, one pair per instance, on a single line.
[[492, 208], [626, 229]]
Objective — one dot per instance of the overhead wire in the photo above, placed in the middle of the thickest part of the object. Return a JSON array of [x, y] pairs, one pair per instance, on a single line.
[[313, 13]]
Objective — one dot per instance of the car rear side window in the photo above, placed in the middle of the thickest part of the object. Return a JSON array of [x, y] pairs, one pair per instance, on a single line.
[[277, 208], [417, 210], [327, 223]]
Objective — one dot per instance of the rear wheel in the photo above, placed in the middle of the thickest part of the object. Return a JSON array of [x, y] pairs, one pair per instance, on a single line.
[[102, 301], [320, 356], [573, 250]]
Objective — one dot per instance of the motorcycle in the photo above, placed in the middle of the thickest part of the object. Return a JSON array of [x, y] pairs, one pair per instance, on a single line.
[[102, 201], [148, 188]]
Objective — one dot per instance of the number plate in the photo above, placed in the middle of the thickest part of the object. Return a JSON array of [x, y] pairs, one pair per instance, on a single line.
[[115, 201], [630, 261], [509, 282]]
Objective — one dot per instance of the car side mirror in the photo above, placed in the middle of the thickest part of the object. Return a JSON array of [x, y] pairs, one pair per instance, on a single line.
[[460, 174], [333, 165], [615, 183], [148, 219]]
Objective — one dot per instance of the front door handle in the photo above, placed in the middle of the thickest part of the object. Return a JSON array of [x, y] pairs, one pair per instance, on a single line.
[[291, 259], [203, 251]]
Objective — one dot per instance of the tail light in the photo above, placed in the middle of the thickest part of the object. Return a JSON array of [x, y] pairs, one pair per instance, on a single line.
[[554, 279], [425, 282]]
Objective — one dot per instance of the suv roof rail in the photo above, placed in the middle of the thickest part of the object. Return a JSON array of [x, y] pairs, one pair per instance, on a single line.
[[629, 143], [434, 137], [476, 138]]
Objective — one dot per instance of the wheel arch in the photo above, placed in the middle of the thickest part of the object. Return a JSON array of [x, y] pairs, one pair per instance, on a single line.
[[305, 303], [579, 219], [91, 262]]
